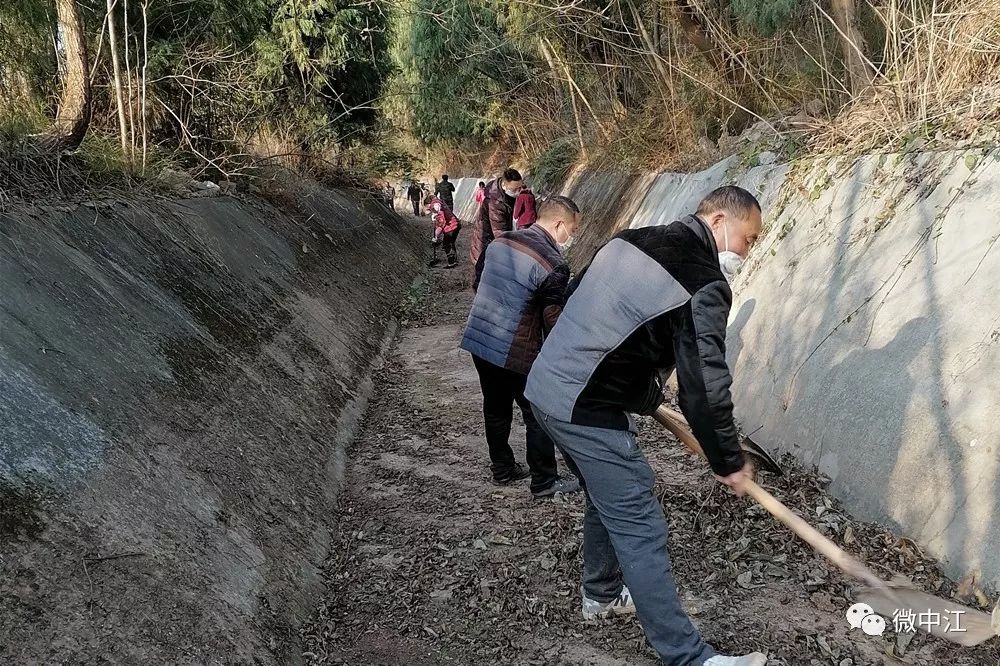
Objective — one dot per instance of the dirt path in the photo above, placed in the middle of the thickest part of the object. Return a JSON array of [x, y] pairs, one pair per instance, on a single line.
[[434, 565]]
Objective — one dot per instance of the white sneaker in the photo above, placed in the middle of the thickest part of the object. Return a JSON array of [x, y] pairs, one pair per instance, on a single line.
[[753, 659], [620, 605]]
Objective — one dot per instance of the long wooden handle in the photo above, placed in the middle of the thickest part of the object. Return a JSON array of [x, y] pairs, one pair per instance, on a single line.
[[824, 546]]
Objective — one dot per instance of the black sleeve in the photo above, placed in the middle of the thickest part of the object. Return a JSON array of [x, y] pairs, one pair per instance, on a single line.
[[478, 272], [703, 376], [575, 282], [551, 295]]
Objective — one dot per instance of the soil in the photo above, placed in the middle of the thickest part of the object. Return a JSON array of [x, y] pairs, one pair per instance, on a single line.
[[434, 565]]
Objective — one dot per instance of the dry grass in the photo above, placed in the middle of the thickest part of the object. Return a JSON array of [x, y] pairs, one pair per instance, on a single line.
[[940, 80], [936, 83]]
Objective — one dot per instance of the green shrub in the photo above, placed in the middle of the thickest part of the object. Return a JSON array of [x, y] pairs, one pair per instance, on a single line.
[[549, 169]]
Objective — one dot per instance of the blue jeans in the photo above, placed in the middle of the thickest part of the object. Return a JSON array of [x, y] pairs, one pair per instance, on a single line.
[[624, 523]]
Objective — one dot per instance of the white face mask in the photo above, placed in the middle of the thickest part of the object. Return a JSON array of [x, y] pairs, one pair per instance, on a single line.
[[565, 245], [729, 262]]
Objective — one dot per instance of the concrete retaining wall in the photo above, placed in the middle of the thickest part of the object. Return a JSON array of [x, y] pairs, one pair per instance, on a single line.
[[177, 381], [865, 332]]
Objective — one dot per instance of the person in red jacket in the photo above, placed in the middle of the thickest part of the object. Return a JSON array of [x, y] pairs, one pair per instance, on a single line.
[[524, 208], [446, 227]]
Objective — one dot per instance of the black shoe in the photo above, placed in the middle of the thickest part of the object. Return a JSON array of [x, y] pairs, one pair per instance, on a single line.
[[515, 473]]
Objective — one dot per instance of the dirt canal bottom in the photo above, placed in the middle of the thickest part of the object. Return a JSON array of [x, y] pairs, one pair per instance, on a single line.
[[435, 565]]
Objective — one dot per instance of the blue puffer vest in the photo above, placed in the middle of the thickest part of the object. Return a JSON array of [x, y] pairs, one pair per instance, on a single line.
[[505, 323]]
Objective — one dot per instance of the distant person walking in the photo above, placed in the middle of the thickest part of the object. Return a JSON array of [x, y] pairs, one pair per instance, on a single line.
[[390, 193], [413, 194], [520, 297], [496, 215], [446, 227], [524, 208], [480, 193], [446, 191]]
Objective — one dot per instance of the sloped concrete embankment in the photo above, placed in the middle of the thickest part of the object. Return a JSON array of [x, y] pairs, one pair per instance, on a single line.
[[177, 380], [865, 329]]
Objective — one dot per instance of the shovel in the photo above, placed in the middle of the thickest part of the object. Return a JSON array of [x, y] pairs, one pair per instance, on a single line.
[[434, 258], [886, 599], [762, 457]]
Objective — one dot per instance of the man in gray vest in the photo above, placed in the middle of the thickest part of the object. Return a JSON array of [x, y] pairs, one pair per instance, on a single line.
[[651, 301]]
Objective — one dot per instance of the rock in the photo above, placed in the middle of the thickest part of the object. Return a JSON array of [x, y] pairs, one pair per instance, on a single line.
[[758, 130], [205, 188], [707, 144], [173, 177], [765, 158], [227, 186]]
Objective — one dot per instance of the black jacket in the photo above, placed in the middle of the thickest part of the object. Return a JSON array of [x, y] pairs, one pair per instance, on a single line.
[[445, 190], [653, 300]]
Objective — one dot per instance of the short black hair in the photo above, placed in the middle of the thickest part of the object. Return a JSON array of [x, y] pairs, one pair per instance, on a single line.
[[444, 177], [558, 201], [482, 184], [511, 174], [731, 199]]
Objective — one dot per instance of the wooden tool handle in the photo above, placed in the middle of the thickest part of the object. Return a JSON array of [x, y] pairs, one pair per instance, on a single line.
[[824, 546]]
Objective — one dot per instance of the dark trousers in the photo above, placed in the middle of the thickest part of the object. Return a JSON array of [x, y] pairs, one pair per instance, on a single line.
[[501, 389], [450, 239], [416, 206]]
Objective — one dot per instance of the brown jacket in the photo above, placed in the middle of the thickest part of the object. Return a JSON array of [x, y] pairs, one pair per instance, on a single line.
[[494, 217]]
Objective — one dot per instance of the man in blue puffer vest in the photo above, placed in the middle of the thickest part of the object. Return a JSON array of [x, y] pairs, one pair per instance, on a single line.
[[521, 294]]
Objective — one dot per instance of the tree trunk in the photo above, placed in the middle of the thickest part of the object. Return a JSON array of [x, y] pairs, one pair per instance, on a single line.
[[694, 27], [117, 69], [73, 115], [860, 73], [548, 54], [732, 69], [145, 65]]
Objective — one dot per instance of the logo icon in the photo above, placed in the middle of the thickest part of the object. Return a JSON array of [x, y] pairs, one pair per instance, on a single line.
[[873, 625], [857, 613]]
